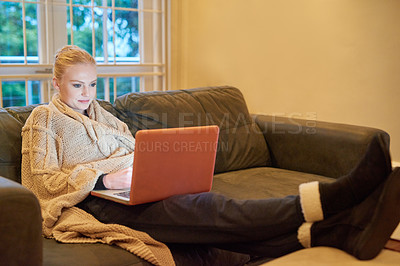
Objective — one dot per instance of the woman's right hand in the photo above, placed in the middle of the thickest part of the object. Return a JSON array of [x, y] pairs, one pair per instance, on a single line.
[[118, 180]]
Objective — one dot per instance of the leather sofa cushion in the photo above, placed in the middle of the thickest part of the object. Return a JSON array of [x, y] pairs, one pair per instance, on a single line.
[[241, 143], [55, 253], [20, 225], [262, 182], [10, 146], [12, 120]]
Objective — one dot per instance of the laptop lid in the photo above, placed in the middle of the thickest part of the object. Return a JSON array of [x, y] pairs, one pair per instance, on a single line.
[[169, 162], [173, 161]]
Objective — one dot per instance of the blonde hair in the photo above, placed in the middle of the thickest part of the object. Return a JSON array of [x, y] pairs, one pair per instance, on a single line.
[[70, 55]]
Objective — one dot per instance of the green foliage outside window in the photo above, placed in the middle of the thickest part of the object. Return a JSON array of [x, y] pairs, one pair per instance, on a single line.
[[11, 30], [124, 85], [13, 93], [12, 47], [126, 29]]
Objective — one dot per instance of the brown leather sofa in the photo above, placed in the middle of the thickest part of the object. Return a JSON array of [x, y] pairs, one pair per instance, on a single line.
[[258, 156]]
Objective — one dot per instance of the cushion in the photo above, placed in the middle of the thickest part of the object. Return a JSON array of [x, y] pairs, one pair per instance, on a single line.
[[55, 253], [21, 113], [12, 120], [10, 146], [241, 143], [262, 182]]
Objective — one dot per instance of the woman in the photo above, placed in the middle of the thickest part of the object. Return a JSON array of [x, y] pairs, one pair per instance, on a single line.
[[72, 146]]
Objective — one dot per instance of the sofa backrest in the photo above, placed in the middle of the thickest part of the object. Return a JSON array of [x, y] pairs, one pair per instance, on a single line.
[[11, 121], [241, 143]]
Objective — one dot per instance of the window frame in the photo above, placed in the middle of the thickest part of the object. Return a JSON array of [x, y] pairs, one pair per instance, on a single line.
[[52, 34]]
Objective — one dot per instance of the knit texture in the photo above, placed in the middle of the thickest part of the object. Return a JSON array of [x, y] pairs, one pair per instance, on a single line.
[[63, 155]]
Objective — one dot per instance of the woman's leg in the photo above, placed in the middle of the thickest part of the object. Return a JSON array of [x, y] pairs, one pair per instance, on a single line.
[[209, 218], [323, 200], [206, 218], [363, 230], [271, 248]]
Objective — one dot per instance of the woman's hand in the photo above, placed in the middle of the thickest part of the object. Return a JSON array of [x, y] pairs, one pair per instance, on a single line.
[[118, 180]]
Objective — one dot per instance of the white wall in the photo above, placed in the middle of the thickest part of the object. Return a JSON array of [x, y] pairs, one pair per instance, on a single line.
[[333, 60]]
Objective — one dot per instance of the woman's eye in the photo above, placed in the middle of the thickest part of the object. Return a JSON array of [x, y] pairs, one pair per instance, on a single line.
[[93, 85], [76, 85]]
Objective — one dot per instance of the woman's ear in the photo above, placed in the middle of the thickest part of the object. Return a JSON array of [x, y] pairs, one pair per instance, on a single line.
[[55, 84]]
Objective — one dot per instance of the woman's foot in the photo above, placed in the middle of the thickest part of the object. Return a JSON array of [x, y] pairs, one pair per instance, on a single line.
[[363, 230], [321, 200]]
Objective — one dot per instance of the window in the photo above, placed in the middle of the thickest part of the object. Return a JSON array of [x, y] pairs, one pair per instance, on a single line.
[[126, 37]]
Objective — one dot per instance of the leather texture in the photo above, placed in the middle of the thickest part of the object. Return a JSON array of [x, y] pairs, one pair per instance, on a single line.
[[59, 254], [241, 144], [316, 147], [20, 225], [262, 182], [10, 146]]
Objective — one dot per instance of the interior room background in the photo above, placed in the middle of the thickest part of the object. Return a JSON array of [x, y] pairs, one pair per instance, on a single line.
[[330, 60]]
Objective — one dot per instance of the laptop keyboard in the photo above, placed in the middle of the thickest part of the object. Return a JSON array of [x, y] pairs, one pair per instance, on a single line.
[[124, 194]]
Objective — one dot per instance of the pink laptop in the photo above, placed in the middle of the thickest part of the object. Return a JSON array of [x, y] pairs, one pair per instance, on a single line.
[[169, 162]]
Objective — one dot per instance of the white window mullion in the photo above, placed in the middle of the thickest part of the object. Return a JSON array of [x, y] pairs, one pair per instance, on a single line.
[[71, 19], [46, 29], [142, 55], [43, 33], [105, 33], [27, 96], [107, 89], [44, 90], [164, 44], [157, 41], [115, 88], [43, 43], [93, 32], [141, 31], [49, 91], [59, 33], [113, 25], [24, 33]]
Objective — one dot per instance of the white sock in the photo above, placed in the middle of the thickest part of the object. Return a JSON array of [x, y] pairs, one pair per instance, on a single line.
[[304, 234], [310, 202]]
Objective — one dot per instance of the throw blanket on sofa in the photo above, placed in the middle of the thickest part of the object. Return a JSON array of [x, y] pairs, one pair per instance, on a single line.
[[63, 155]]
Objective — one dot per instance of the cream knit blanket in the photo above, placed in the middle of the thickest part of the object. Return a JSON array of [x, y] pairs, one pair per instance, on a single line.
[[63, 154]]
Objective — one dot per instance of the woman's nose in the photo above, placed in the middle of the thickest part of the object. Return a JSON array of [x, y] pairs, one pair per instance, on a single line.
[[85, 91]]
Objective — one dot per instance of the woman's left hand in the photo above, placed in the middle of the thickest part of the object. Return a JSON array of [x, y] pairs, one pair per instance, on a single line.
[[118, 180]]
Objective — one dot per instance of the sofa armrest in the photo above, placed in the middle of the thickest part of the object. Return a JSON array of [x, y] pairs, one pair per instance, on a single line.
[[316, 147], [20, 225]]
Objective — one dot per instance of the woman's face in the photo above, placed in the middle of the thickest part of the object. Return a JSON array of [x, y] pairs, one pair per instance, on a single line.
[[77, 88]]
